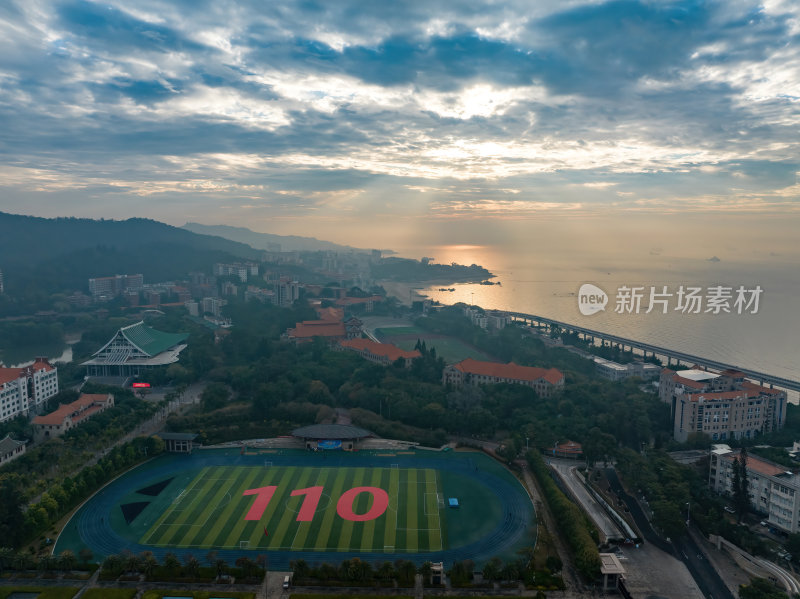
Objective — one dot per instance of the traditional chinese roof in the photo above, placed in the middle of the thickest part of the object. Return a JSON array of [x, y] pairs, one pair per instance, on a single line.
[[510, 371], [151, 341], [9, 445], [388, 350]]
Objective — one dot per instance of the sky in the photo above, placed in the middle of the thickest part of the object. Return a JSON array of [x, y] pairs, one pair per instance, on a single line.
[[379, 123]]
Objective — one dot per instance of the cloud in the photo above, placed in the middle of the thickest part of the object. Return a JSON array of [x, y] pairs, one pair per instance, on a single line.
[[434, 107]]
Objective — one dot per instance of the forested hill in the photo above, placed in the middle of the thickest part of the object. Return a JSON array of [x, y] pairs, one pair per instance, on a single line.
[[44, 255], [288, 243]]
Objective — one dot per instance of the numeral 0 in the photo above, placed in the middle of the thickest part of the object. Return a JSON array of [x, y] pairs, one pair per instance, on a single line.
[[311, 497]]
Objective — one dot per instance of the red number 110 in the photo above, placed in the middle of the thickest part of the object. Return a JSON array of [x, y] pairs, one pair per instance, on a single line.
[[311, 497]]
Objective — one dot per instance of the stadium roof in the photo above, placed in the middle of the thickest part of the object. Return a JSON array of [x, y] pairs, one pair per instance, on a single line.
[[331, 431]]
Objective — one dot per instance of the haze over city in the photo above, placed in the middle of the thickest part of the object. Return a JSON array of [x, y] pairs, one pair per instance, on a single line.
[[423, 122]]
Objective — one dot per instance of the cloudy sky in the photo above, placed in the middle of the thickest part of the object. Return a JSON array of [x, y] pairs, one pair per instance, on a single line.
[[322, 117]]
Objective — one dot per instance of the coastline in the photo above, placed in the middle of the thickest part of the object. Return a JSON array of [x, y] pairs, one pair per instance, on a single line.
[[406, 293]]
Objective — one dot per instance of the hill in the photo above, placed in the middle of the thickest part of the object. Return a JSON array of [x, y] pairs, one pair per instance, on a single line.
[[262, 241], [47, 255]]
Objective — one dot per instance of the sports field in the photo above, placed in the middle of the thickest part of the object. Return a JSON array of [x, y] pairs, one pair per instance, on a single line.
[[318, 506], [302, 508]]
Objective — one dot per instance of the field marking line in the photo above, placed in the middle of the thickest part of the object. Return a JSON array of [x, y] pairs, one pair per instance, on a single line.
[[326, 527], [275, 541], [346, 533], [163, 517], [303, 528], [368, 530], [231, 523]]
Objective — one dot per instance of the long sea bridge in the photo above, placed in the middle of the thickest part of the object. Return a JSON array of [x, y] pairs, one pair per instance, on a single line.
[[669, 356]]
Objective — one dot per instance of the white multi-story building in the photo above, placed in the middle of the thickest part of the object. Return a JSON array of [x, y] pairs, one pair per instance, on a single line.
[[236, 269], [614, 371], [23, 390], [774, 489]]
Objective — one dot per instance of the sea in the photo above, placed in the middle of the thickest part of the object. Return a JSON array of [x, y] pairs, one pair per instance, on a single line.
[[765, 337]]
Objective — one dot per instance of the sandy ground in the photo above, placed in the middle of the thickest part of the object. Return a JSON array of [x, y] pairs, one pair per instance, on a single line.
[[404, 292]]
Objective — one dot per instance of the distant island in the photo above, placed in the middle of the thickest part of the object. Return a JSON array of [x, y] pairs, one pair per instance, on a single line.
[[407, 270]]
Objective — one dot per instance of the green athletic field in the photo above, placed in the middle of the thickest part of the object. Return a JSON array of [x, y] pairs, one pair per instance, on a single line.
[[209, 511]]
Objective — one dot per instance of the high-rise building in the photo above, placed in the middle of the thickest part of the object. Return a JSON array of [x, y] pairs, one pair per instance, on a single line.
[[25, 389], [106, 288]]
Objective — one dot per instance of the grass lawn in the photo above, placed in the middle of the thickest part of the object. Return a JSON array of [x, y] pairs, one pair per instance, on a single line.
[[451, 349], [298, 508], [388, 332], [45, 592]]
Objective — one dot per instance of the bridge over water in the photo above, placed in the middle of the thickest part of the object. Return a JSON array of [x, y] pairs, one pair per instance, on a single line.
[[669, 355]]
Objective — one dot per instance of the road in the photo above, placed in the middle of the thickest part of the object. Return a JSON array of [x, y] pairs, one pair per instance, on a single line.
[[685, 549], [566, 472]]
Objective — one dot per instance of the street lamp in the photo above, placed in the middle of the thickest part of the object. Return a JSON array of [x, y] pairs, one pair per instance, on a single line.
[[688, 513]]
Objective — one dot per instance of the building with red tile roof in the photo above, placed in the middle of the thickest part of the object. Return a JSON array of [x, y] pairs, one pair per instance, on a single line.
[[476, 372], [568, 449], [774, 489], [67, 416], [26, 389], [723, 405], [381, 353]]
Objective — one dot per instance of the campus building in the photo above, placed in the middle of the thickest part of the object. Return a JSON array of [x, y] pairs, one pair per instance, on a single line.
[[135, 349], [23, 390], [106, 288], [475, 372], [237, 269], [380, 353], [614, 371], [70, 415], [10, 449], [721, 405], [774, 490]]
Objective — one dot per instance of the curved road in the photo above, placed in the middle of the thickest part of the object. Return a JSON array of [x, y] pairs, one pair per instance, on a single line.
[[684, 548], [517, 517]]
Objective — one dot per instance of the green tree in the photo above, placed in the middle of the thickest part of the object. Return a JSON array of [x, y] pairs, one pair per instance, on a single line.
[[740, 485], [761, 588]]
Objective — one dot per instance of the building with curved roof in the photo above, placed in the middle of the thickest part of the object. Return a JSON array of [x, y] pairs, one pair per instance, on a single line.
[[330, 436], [135, 349]]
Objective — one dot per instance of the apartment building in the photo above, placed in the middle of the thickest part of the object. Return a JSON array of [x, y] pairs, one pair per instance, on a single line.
[[25, 389], [774, 490], [106, 288]]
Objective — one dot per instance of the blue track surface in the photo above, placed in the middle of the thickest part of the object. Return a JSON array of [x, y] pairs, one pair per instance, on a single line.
[[517, 512]]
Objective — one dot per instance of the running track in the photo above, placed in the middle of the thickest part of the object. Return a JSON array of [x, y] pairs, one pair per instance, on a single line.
[[515, 521]]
